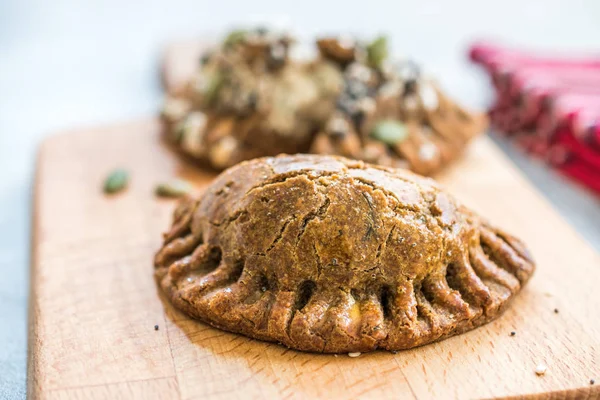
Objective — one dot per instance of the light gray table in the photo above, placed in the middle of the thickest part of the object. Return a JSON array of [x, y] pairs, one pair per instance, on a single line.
[[70, 63]]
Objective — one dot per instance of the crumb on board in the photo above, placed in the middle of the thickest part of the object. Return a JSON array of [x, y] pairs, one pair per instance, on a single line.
[[513, 333], [353, 355], [556, 311], [540, 369], [155, 327], [592, 381]]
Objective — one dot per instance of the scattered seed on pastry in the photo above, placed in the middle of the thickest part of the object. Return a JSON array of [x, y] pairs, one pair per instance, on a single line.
[[249, 98], [116, 181]]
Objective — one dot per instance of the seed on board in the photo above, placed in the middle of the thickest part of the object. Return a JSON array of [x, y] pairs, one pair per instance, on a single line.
[[155, 327], [354, 355], [174, 188], [540, 369], [592, 381], [116, 181], [513, 333], [556, 311]]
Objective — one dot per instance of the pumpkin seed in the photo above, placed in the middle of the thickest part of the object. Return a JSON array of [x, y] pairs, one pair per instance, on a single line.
[[116, 181], [173, 188], [377, 51], [212, 87], [234, 37], [390, 132], [178, 131]]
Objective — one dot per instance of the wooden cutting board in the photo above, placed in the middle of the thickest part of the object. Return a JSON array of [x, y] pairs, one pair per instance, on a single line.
[[94, 302]]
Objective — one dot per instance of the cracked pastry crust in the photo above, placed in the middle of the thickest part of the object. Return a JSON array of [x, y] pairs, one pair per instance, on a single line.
[[326, 254]]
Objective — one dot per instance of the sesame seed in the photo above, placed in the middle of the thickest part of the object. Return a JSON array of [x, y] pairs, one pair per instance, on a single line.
[[540, 369], [513, 333], [556, 311], [354, 355], [155, 327]]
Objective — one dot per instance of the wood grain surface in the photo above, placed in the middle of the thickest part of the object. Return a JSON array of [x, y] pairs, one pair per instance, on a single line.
[[94, 302]]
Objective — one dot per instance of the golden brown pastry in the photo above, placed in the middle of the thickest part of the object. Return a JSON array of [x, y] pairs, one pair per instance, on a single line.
[[327, 254]]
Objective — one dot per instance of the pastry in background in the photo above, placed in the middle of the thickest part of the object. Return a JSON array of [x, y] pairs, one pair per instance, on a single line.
[[249, 98], [327, 254], [389, 114]]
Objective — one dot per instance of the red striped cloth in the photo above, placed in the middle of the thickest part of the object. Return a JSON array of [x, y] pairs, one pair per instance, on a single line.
[[549, 106]]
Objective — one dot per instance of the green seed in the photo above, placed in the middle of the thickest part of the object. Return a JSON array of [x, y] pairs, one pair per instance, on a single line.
[[212, 88], [390, 132], [178, 131], [174, 188], [116, 181], [377, 51], [234, 37]]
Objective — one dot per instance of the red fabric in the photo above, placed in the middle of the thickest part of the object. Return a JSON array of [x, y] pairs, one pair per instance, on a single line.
[[549, 106]]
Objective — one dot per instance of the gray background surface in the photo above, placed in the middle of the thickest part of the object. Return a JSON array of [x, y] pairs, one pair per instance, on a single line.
[[69, 63]]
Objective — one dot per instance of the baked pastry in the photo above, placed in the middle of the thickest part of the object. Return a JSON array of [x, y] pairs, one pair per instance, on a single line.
[[326, 254], [249, 98], [404, 120]]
